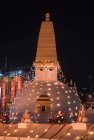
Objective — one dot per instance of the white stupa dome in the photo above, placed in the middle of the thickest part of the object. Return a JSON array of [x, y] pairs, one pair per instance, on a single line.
[[61, 96]]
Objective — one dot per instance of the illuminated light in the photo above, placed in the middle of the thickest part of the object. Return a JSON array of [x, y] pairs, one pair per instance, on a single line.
[[58, 105], [57, 98], [68, 134], [57, 87], [77, 137], [75, 114], [68, 96], [74, 101], [70, 91], [37, 136], [31, 131], [48, 94], [90, 96], [5, 132], [76, 107], [70, 109], [69, 103], [16, 113], [51, 99], [36, 84], [58, 92], [33, 90], [45, 130], [15, 130], [66, 91], [49, 89], [33, 86], [8, 134], [28, 137], [10, 125], [48, 84], [91, 132], [56, 83], [28, 99], [38, 114], [62, 87]]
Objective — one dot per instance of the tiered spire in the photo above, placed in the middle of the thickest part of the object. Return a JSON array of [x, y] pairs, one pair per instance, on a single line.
[[46, 48]]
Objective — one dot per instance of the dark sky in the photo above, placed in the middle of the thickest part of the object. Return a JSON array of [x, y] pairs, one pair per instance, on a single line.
[[74, 28]]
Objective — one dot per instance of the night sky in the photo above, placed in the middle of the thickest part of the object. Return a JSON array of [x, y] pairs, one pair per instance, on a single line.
[[74, 28]]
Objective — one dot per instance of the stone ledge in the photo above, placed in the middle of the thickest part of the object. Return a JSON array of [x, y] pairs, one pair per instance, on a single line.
[[23, 125], [79, 126]]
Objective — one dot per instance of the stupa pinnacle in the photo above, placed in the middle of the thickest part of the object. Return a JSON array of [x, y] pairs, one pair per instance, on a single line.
[[46, 48], [46, 57]]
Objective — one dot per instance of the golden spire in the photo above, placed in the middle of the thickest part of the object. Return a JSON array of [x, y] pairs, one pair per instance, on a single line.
[[46, 48]]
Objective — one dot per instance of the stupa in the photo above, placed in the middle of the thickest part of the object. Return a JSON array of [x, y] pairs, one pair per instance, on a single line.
[[45, 96]]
